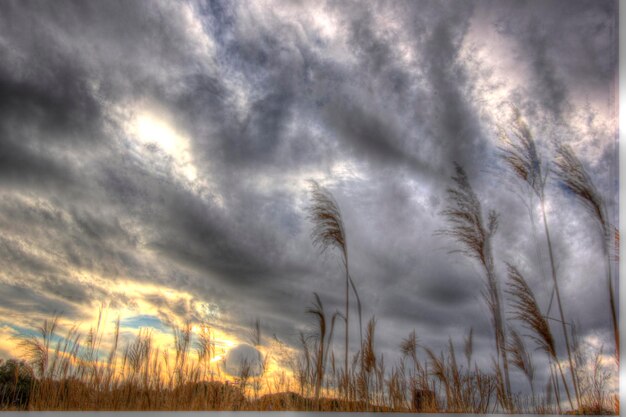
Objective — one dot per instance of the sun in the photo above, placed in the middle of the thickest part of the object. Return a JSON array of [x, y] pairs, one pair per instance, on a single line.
[[150, 129]]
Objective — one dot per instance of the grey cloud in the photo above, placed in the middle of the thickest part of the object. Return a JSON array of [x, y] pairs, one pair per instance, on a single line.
[[557, 61], [23, 298], [67, 290]]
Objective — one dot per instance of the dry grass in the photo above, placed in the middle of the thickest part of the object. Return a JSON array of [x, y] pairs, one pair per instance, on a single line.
[[328, 232], [78, 374], [574, 178], [466, 225], [519, 152], [526, 310], [323, 340], [521, 359]]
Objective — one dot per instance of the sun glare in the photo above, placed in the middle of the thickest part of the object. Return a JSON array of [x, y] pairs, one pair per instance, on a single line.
[[152, 130], [157, 137]]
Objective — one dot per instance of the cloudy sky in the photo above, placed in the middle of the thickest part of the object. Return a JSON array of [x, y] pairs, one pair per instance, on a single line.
[[154, 158]]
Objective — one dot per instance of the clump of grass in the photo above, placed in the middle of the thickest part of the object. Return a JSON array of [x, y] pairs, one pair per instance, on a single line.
[[463, 390], [593, 387], [594, 377], [416, 377]]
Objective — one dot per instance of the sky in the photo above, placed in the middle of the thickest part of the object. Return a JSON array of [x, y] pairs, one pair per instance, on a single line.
[[155, 159]]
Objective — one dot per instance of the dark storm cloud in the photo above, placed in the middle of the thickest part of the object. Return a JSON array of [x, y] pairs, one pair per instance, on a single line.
[[65, 111], [378, 107], [369, 133], [456, 119], [21, 165], [274, 62]]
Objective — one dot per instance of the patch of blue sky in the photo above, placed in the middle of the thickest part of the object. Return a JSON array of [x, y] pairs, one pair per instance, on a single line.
[[144, 321], [23, 332], [57, 340]]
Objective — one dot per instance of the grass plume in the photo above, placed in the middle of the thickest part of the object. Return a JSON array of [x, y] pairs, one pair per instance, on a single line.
[[526, 310], [574, 178], [519, 152], [328, 232], [521, 359], [466, 225]]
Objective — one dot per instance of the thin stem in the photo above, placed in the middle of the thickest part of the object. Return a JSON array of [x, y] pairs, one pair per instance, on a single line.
[[499, 322], [612, 302], [347, 320], [555, 387], [559, 304], [569, 398]]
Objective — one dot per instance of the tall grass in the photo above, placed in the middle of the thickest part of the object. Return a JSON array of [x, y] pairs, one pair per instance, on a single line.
[[74, 373], [574, 178], [328, 232], [519, 151], [467, 226], [324, 339], [521, 359], [526, 310]]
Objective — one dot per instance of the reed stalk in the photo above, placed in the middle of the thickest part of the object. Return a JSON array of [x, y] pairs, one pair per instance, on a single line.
[[519, 152], [575, 179], [466, 226], [328, 232]]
